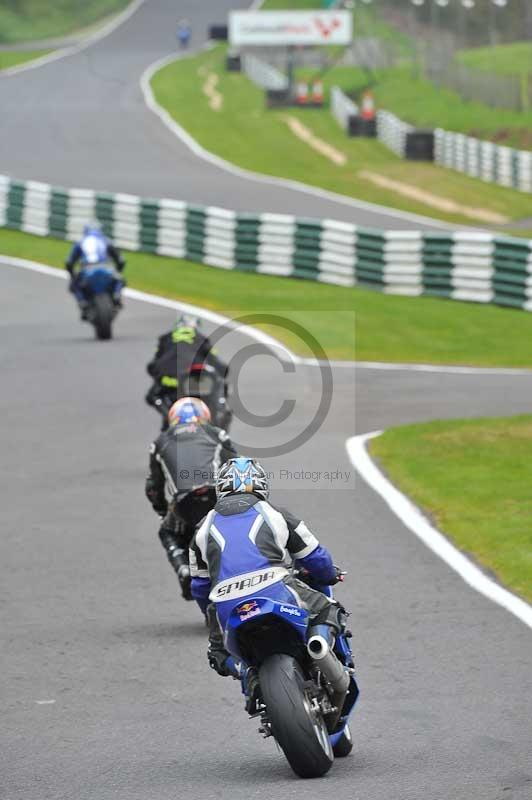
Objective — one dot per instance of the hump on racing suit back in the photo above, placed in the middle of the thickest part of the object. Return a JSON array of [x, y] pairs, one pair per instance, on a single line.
[[93, 249], [243, 571]]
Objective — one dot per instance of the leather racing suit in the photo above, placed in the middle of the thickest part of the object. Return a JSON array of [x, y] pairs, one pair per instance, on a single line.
[[93, 249], [244, 534], [180, 484]]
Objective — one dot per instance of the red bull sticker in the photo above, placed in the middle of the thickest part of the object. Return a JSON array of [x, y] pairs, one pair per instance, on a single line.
[[248, 610]]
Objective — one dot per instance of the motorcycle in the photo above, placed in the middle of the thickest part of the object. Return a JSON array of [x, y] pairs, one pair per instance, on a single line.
[[99, 285], [297, 678], [203, 381]]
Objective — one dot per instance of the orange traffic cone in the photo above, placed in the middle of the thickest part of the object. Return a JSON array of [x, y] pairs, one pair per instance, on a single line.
[[317, 93], [367, 109], [301, 93]]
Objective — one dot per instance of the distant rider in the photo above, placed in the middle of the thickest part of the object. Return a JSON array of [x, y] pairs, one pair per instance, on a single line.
[[177, 350], [244, 533], [180, 485], [93, 249], [183, 33]]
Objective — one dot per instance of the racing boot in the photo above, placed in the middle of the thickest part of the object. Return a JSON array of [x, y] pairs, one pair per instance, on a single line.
[[178, 558], [84, 309], [219, 659], [117, 292]]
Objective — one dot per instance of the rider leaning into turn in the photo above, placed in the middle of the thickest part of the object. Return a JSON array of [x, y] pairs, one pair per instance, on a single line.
[[180, 485], [92, 249], [245, 533]]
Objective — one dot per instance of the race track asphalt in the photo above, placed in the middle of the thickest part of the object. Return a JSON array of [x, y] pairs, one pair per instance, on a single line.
[[92, 620], [82, 122], [106, 690]]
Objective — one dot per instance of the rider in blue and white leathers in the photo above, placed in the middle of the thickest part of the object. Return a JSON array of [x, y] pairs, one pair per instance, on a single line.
[[245, 534], [93, 249]]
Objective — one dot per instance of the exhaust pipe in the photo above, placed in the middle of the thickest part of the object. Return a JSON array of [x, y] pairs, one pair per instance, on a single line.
[[324, 658], [321, 653]]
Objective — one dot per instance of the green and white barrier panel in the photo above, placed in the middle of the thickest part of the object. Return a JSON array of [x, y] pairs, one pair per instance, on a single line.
[[463, 266], [485, 160]]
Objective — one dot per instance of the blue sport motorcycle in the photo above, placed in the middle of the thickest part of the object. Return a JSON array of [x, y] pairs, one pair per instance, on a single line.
[[101, 287], [297, 678]]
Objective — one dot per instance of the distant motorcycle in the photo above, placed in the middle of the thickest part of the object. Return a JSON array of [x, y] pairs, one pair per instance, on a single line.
[[98, 283], [296, 681], [203, 381]]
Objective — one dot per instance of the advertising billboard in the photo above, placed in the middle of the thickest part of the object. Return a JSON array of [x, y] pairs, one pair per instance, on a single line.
[[284, 28]]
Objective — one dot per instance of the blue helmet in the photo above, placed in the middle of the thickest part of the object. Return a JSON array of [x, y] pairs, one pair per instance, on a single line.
[[242, 475]]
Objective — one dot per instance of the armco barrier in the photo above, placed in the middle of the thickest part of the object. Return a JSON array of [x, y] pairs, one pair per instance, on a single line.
[[485, 160], [463, 266]]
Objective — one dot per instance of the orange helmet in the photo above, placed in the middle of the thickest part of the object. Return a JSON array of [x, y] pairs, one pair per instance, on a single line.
[[188, 409]]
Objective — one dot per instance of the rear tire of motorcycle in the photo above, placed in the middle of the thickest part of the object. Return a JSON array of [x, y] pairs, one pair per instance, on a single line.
[[300, 733], [344, 745], [103, 316]]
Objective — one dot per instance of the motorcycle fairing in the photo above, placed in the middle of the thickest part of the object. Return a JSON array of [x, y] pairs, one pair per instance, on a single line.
[[276, 601], [97, 280]]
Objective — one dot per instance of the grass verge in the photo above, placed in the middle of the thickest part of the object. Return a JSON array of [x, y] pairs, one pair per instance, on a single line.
[[386, 328], [247, 134], [12, 58], [505, 59], [419, 102], [35, 19], [473, 478]]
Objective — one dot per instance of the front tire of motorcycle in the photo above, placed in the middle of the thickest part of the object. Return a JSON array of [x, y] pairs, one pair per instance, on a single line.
[[103, 316], [298, 729]]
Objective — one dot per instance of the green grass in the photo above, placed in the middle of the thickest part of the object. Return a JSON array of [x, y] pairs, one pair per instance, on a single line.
[[12, 58], [387, 328], [473, 478], [421, 103], [505, 59], [27, 20], [247, 134]]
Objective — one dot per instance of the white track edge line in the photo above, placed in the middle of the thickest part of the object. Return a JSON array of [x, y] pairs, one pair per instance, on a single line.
[[156, 300], [446, 369], [285, 183], [270, 341], [64, 52], [416, 522]]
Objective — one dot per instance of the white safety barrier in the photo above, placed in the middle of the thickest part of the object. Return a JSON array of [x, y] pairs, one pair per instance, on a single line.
[[392, 132], [343, 108], [485, 160], [263, 74]]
